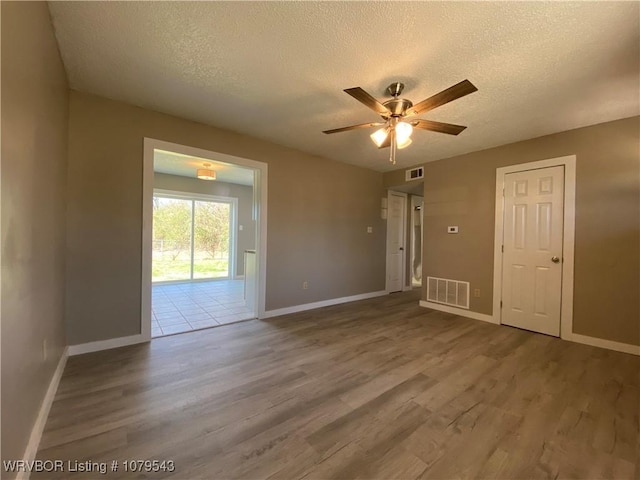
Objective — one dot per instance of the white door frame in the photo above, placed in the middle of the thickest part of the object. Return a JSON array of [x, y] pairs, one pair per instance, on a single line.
[[566, 308], [414, 204], [404, 248], [260, 194]]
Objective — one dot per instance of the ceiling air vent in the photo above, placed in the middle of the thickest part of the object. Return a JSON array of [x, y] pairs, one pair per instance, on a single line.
[[414, 174]]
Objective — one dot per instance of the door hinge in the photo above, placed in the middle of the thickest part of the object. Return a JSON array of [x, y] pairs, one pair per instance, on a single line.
[[502, 248], [500, 303]]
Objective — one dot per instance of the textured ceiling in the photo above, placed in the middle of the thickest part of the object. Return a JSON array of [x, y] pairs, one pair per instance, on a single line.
[[276, 70], [186, 166]]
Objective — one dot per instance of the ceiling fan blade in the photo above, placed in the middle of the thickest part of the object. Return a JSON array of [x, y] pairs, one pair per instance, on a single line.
[[366, 99], [354, 127], [459, 90], [449, 128]]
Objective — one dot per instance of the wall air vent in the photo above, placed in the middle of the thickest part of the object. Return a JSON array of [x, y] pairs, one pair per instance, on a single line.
[[414, 174], [448, 292]]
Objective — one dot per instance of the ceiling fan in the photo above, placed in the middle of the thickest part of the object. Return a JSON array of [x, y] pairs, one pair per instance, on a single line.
[[396, 131]]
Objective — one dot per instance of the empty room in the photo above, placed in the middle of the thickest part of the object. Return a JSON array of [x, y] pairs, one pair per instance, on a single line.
[[320, 240]]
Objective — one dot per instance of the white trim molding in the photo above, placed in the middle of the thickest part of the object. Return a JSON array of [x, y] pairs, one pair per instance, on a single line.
[[106, 344], [566, 309], [603, 343], [574, 337], [462, 312], [147, 238], [43, 414], [323, 303]]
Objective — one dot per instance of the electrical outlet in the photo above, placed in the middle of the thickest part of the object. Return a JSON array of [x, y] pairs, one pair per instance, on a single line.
[[44, 349], [476, 292], [305, 285], [369, 229]]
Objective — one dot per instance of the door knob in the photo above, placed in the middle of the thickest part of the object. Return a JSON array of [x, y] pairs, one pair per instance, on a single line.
[[401, 248], [555, 259]]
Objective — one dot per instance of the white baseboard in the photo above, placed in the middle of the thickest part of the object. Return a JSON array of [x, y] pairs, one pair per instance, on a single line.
[[105, 344], [572, 337], [602, 343], [323, 303], [43, 414], [458, 311]]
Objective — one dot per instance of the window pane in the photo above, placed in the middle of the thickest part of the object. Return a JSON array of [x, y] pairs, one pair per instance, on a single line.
[[171, 239], [211, 239]]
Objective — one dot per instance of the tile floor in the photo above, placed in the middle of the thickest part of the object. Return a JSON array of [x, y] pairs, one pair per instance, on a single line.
[[182, 307]]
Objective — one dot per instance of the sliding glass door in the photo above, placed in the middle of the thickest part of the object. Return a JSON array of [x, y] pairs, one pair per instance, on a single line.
[[192, 238]]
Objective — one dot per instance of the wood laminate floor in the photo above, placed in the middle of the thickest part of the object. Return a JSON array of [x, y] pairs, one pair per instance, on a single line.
[[374, 389]]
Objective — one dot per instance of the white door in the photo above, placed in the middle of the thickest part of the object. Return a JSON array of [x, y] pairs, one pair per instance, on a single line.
[[532, 243], [396, 217]]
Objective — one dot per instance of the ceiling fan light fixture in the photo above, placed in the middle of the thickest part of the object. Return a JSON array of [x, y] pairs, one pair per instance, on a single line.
[[206, 173], [403, 134], [404, 144], [379, 136]]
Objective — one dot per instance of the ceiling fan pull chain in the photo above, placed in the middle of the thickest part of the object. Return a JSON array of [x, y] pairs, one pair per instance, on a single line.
[[393, 147]]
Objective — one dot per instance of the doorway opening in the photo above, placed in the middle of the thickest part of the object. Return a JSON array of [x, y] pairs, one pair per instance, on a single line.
[[405, 217], [396, 229], [204, 239]]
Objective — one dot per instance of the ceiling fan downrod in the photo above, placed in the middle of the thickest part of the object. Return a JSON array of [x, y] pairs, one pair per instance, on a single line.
[[396, 107]]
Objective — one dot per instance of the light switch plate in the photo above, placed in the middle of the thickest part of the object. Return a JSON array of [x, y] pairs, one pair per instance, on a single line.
[[452, 229]]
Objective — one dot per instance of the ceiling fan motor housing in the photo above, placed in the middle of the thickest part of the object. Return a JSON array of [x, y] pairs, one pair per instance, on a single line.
[[397, 107]]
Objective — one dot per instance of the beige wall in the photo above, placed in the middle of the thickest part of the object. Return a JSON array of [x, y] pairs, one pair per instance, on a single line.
[[34, 150], [318, 213], [246, 238], [461, 191]]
